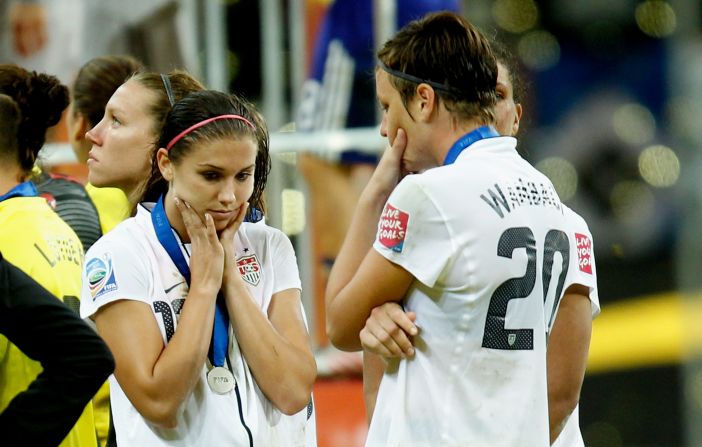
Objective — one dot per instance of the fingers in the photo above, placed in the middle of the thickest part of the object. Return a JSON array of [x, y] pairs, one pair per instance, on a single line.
[[400, 142], [229, 232], [194, 225], [388, 331]]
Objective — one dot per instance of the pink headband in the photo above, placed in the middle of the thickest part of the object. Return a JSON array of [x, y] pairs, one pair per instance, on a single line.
[[204, 122]]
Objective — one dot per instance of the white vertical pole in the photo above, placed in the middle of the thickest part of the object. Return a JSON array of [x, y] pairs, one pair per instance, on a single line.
[[215, 45]]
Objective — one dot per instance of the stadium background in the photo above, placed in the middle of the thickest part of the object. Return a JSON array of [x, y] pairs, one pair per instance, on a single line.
[[612, 114]]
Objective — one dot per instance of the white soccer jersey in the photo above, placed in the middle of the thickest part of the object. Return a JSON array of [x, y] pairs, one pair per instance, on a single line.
[[582, 271], [474, 235], [130, 263]]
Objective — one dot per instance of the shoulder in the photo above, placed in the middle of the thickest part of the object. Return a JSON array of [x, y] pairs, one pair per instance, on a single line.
[[575, 220], [125, 239], [32, 217]]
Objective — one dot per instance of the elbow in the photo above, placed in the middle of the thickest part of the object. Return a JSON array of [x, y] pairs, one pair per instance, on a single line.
[[294, 402], [162, 415], [293, 406], [341, 336], [297, 396], [562, 403]]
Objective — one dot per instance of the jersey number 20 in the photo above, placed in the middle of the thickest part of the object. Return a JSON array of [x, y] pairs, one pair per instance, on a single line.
[[495, 335]]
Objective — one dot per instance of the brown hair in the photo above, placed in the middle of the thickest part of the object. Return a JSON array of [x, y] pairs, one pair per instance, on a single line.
[[181, 84], [97, 80], [10, 116], [445, 50], [200, 106], [41, 99], [507, 59]]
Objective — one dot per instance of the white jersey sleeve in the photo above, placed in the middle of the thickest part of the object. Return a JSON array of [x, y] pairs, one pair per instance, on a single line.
[[113, 270], [413, 233], [582, 268], [287, 275]]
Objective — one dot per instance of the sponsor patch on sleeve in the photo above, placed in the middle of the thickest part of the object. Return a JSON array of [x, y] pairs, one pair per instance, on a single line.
[[100, 275], [584, 247], [392, 228]]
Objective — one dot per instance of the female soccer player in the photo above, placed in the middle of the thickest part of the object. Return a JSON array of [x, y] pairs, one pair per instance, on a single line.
[[202, 310], [124, 140]]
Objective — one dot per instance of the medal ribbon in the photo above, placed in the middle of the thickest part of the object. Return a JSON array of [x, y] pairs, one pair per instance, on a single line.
[[24, 189], [220, 330], [468, 139]]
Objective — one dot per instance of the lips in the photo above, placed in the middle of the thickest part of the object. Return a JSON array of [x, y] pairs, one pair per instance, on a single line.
[[222, 214]]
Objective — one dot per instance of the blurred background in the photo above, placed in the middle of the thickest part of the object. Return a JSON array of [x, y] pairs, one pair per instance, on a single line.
[[612, 92]]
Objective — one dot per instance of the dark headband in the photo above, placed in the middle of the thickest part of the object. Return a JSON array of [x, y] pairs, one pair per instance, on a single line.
[[436, 85]]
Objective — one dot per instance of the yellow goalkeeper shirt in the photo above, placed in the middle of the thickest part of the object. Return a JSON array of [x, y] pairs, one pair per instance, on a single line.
[[111, 204], [35, 239]]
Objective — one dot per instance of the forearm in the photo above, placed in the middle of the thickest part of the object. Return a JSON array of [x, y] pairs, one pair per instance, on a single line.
[[566, 357], [180, 364], [156, 378], [341, 302], [284, 372], [358, 241]]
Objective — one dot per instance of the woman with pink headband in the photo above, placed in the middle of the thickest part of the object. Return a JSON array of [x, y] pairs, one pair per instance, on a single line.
[[201, 308]]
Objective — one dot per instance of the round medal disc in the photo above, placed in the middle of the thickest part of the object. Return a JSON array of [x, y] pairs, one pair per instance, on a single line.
[[220, 380]]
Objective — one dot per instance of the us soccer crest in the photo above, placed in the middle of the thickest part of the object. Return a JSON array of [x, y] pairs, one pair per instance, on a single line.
[[250, 269]]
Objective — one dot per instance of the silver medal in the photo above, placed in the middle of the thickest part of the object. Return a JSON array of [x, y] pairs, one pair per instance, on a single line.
[[220, 380]]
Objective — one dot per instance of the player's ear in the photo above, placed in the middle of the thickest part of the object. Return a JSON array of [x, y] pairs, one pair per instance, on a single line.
[[164, 164], [517, 118], [427, 101]]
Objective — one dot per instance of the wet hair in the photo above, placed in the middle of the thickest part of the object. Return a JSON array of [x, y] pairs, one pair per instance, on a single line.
[[97, 80], [507, 59], [10, 116], [449, 53], [41, 99], [198, 107]]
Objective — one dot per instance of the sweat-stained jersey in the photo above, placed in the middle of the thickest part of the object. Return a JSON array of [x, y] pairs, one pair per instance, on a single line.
[[582, 271], [130, 263], [38, 242], [476, 235]]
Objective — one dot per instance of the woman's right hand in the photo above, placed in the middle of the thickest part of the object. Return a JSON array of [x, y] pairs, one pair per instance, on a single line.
[[389, 171], [207, 258]]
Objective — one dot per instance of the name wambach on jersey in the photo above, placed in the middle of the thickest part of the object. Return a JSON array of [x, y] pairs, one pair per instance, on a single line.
[[486, 241]]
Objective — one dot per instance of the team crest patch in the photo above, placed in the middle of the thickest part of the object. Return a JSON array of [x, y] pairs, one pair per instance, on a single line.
[[392, 228], [250, 269], [101, 276], [584, 246]]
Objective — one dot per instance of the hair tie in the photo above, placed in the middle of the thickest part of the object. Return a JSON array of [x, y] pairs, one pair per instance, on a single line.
[[205, 122], [169, 90]]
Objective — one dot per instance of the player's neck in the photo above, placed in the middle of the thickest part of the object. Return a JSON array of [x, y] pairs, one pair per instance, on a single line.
[[11, 175], [451, 131]]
